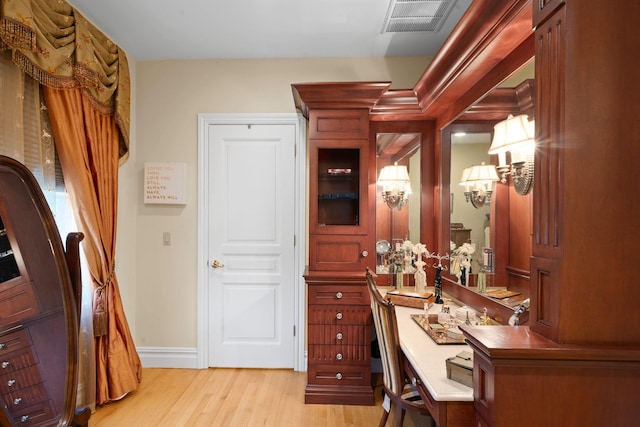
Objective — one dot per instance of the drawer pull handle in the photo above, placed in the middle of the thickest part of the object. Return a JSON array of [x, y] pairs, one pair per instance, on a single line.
[[338, 376], [339, 336], [2, 346], [5, 364], [10, 383], [339, 316], [339, 356], [24, 418], [17, 401], [415, 381], [339, 295], [365, 254]]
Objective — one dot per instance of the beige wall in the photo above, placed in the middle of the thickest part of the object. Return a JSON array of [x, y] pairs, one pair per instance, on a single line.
[[158, 283]]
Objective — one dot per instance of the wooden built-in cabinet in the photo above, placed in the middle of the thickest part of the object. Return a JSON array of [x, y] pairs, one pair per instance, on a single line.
[[577, 362], [341, 217], [339, 325]]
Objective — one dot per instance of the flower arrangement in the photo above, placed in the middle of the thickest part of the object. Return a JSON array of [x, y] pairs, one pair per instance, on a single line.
[[461, 258]]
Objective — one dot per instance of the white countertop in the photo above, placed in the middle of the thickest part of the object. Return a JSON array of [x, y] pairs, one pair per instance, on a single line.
[[428, 358]]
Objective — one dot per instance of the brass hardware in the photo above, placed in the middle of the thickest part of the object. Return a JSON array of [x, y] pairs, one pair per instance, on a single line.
[[217, 264]]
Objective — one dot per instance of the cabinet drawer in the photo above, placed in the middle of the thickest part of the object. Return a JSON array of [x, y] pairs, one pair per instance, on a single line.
[[19, 399], [14, 342], [33, 415], [339, 375], [17, 303], [338, 295], [340, 354], [17, 360], [22, 378], [339, 334], [339, 315]]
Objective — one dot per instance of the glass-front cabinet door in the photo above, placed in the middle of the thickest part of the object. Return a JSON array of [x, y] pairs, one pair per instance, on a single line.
[[338, 187], [338, 205]]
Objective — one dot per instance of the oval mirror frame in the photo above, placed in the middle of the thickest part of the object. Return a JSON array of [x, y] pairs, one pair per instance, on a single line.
[[47, 316]]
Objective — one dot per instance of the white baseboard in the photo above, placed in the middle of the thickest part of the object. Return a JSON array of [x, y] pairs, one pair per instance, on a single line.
[[168, 357]]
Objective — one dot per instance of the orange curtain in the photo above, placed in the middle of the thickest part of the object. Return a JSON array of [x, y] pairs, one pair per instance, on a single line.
[[87, 90], [87, 143]]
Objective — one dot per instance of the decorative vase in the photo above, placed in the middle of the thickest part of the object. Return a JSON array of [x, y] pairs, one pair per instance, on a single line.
[[399, 277]]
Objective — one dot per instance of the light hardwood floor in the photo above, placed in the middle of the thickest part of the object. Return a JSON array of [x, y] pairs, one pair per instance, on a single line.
[[231, 397]]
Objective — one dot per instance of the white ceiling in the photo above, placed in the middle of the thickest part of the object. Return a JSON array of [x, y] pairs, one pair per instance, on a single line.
[[225, 29]]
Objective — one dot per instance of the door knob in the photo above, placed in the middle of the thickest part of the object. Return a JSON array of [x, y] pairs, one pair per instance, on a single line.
[[217, 264]]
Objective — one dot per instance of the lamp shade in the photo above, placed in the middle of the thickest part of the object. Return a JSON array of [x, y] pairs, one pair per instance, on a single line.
[[479, 176], [395, 177], [515, 134]]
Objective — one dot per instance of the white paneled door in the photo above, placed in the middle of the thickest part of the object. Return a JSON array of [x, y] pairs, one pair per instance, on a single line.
[[251, 170]]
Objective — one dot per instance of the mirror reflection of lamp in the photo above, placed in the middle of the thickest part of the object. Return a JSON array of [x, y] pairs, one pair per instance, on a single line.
[[396, 185], [478, 182], [516, 136]]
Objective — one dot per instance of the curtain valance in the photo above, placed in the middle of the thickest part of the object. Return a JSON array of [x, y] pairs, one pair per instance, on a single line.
[[52, 42]]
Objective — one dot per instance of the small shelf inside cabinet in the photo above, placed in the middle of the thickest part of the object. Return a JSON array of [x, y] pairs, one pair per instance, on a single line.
[[339, 196]]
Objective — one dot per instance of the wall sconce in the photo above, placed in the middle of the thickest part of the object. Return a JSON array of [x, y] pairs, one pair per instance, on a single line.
[[515, 135], [395, 184], [478, 181]]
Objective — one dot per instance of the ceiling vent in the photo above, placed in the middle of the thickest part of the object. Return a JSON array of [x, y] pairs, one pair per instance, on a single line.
[[416, 15]]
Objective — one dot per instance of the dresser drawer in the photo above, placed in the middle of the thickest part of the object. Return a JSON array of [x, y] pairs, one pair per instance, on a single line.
[[339, 315], [33, 415], [333, 375], [19, 399], [17, 360], [17, 303], [340, 355], [338, 295], [20, 379], [339, 335], [13, 342]]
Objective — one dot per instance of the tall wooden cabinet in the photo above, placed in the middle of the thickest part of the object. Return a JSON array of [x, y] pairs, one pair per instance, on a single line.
[[341, 241], [339, 315]]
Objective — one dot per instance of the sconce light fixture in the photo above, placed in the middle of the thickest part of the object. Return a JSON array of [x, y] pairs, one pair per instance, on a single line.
[[396, 186], [515, 135], [478, 181]]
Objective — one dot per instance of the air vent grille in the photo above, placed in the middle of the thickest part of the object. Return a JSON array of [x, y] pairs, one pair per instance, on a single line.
[[416, 15]]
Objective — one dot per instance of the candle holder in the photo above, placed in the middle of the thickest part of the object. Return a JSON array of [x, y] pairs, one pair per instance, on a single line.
[[438, 280]]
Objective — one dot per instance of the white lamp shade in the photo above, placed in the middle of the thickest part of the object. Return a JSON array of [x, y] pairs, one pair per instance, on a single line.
[[479, 176], [515, 134], [395, 177]]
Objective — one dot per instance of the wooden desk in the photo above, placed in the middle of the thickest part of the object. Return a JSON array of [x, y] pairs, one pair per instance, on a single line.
[[450, 403]]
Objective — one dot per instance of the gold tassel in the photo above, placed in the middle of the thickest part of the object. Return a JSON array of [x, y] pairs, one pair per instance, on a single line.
[[100, 324], [100, 320]]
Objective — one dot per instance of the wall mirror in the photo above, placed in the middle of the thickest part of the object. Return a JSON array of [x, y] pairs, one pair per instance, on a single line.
[[500, 230], [395, 225]]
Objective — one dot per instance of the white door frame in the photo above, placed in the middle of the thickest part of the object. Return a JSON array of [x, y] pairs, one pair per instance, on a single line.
[[297, 120]]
